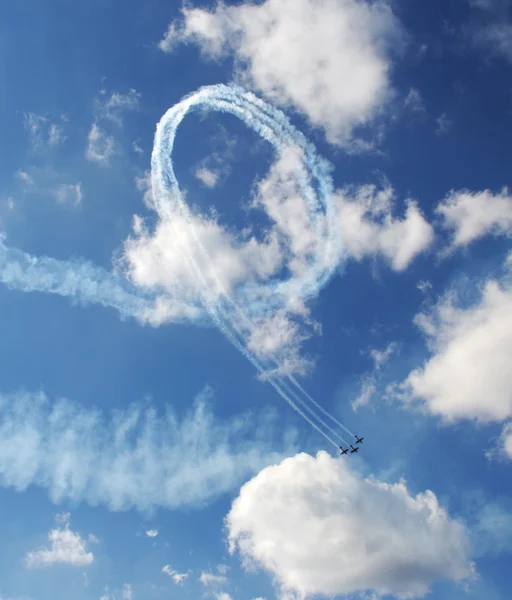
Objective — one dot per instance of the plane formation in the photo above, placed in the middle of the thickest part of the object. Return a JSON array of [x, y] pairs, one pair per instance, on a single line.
[[352, 449]]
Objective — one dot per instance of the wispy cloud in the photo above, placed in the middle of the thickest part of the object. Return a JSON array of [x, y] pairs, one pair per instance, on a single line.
[[212, 579], [178, 578], [371, 379], [133, 458], [414, 101], [43, 132], [444, 124], [492, 27], [100, 145], [68, 193], [113, 106]]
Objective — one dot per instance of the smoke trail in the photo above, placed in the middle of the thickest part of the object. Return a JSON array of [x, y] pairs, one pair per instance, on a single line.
[[237, 310], [272, 125]]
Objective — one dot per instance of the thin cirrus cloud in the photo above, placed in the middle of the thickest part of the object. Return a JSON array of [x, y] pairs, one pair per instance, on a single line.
[[43, 132], [133, 458], [178, 578], [108, 116], [345, 535], [329, 60]]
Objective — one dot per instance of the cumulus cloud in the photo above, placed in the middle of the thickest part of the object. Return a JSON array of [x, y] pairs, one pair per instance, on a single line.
[[100, 146], [368, 227], [330, 60], [472, 215], [67, 547], [178, 578], [43, 133], [133, 458], [468, 374], [345, 535]]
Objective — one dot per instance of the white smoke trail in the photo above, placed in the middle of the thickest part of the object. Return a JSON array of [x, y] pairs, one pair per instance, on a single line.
[[235, 310], [272, 125]]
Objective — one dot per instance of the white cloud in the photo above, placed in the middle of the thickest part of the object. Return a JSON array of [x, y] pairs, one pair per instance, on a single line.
[[178, 578], [369, 380], [345, 535], [68, 193], [211, 579], [414, 101], [100, 146], [208, 177], [25, 178], [471, 215], [330, 59], [223, 596], [67, 548], [424, 285], [117, 103], [63, 518], [133, 458], [43, 133], [151, 533], [468, 374], [222, 569], [368, 227], [128, 592], [444, 124]]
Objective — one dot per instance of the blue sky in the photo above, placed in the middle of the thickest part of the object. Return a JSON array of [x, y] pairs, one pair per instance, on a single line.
[[142, 455]]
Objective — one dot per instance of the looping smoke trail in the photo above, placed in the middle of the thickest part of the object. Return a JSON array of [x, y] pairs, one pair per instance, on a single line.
[[312, 175], [236, 311]]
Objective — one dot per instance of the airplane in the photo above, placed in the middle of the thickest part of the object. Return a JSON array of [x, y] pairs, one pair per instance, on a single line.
[[359, 440], [353, 449], [343, 451]]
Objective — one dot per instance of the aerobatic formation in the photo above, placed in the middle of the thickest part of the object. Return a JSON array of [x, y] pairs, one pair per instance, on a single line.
[[241, 310]]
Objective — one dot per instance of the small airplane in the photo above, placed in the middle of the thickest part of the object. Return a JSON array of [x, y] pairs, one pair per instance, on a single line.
[[359, 440], [343, 451], [353, 449]]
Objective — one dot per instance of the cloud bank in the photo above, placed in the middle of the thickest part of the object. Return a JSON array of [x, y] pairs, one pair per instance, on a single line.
[[133, 458]]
